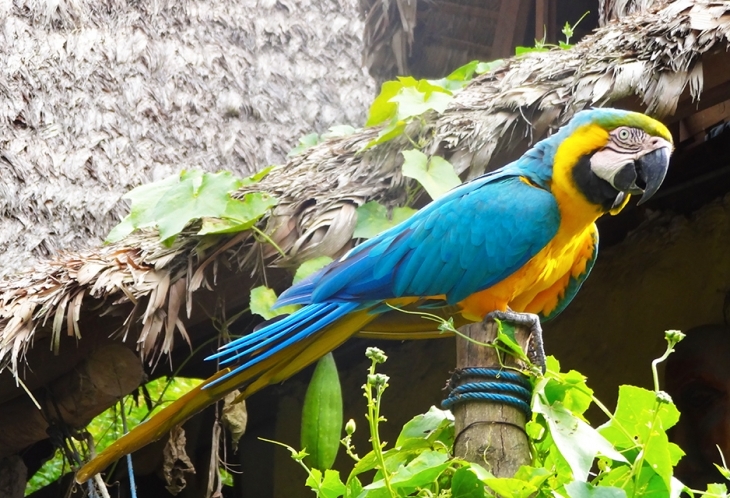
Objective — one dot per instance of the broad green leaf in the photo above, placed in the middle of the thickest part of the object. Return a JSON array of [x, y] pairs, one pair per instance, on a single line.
[[310, 267], [422, 470], [506, 335], [322, 415], [465, 484], [436, 175], [412, 102], [196, 195], [332, 486], [510, 487], [579, 489], [651, 485], [485, 67], [534, 475], [388, 133], [577, 441], [304, 143], [425, 425], [527, 50], [716, 490], [339, 131], [257, 177], [262, 301], [143, 200], [239, 215], [639, 418], [372, 218], [382, 109], [354, 488]]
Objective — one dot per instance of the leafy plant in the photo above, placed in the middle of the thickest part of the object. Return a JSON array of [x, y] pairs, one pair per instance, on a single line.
[[171, 204], [107, 427], [628, 456], [540, 45]]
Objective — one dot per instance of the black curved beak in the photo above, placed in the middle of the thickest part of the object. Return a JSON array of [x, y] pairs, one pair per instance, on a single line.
[[651, 169]]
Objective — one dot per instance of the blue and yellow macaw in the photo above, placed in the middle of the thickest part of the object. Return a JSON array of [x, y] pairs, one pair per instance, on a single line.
[[521, 239]]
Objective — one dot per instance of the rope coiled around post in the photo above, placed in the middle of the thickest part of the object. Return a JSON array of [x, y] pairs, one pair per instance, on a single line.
[[509, 388]]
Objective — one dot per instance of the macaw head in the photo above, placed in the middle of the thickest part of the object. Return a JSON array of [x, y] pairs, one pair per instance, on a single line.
[[610, 154]]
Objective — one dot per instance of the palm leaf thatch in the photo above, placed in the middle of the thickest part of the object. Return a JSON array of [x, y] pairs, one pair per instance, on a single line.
[[652, 61], [100, 96]]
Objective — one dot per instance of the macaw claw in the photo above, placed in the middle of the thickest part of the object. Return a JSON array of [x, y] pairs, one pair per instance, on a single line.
[[536, 351]]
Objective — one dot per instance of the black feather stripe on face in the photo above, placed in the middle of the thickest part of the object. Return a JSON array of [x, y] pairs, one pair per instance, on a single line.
[[596, 190]]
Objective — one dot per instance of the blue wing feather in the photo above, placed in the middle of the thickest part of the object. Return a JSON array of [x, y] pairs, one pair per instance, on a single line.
[[470, 239]]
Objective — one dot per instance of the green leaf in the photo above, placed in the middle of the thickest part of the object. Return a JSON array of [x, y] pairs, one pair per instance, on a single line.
[[421, 471], [354, 488], [305, 142], [534, 475], [372, 218], [239, 215], [579, 489], [196, 195], [506, 335], [577, 442], [426, 426], [413, 102], [510, 487], [339, 131], [310, 267], [322, 415], [527, 50], [262, 301], [332, 486], [716, 490], [388, 133], [465, 484], [143, 199], [436, 175], [485, 67], [329, 486], [257, 177], [382, 109], [641, 419]]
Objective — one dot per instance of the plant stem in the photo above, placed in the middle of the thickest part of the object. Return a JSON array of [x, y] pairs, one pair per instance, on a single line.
[[373, 420]]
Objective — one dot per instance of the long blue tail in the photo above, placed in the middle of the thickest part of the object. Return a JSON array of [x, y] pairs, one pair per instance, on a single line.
[[261, 344]]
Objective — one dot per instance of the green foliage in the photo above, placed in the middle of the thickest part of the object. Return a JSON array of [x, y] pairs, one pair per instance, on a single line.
[[372, 218], [262, 301], [312, 139], [407, 98], [540, 45], [309, 267], [107, 427], [629, 456], [436, 174], [322, 415], [171, 204]]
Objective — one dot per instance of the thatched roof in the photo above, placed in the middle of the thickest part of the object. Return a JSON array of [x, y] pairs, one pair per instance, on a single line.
[[99, 97], [654, 61]]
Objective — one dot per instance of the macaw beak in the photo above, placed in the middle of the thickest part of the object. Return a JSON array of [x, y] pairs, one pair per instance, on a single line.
[[645, 174], [652, 168]]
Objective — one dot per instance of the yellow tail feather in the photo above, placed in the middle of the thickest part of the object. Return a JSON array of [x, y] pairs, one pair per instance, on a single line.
[[273, 370]]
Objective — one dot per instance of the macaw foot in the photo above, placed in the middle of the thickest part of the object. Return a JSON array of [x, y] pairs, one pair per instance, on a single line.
[[536, 351]]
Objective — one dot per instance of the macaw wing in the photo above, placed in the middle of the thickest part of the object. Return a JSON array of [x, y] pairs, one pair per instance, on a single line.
[[474, 237]]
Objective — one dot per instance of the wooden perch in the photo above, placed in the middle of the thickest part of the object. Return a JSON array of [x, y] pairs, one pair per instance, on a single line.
[[490, 434], [74, 399]]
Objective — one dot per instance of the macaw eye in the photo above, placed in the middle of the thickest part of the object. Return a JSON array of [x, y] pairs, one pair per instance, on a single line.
[[623, 134]]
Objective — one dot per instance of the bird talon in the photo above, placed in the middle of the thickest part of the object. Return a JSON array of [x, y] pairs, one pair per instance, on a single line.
[[536, 350]]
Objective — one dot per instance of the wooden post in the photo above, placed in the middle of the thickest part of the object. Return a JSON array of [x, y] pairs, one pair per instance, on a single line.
[[490, 434]]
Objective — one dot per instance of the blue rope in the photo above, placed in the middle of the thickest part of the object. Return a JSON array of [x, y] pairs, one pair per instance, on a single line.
[[508, 388]]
